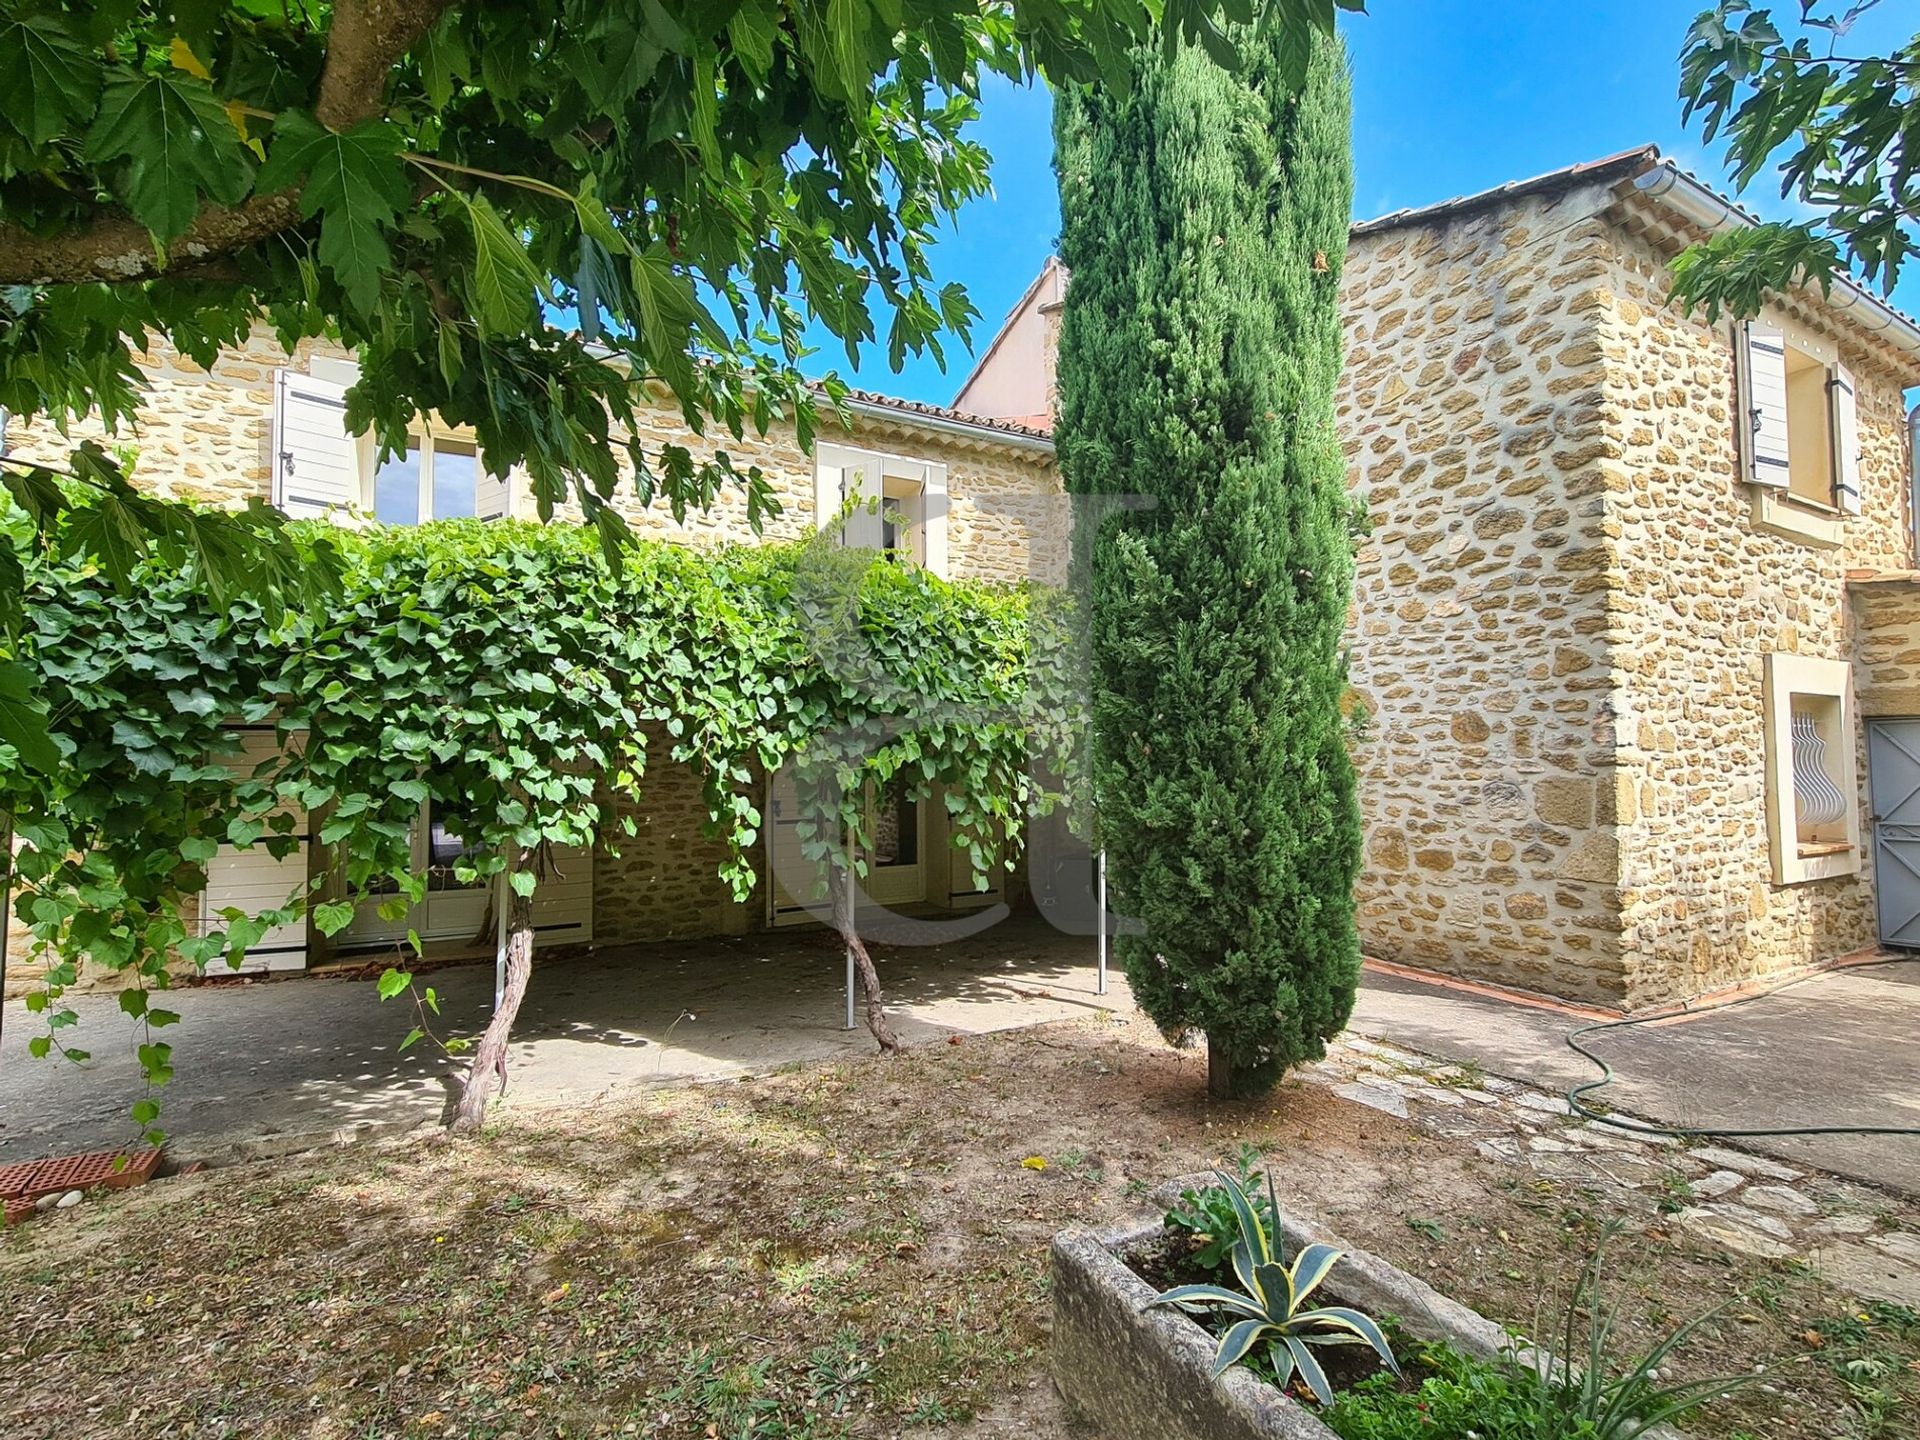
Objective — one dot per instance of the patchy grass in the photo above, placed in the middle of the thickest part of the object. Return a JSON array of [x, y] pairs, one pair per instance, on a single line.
[[853, 1249]]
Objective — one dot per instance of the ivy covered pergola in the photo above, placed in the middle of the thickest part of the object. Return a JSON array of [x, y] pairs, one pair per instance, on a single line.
[[509, 672]]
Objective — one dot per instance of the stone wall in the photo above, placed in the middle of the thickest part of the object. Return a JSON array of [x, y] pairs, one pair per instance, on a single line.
[[664, 880], [1005, 515], [202, 435], [1697, 596], [1472, 412]]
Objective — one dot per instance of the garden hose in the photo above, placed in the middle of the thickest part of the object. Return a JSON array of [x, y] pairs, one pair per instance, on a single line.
[[1682, 1132]]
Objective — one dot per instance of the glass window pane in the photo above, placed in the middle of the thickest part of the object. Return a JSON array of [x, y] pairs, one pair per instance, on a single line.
[[896, 827], [456, 480], [396, 490], [447, 848]]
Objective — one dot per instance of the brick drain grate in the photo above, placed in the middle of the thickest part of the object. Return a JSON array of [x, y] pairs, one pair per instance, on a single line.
[[28, 1181]]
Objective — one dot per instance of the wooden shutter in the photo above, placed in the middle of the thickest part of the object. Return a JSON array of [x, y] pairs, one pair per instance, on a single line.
[[1766, 366], [1846, 440], [786, 860], [933, 503], [827, 481], [860, 482], [255, 880], [492, 495], [316, 468], [563, 901]]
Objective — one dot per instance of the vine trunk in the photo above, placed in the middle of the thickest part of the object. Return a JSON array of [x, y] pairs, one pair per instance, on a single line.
[[840, 882], [490, 1055]]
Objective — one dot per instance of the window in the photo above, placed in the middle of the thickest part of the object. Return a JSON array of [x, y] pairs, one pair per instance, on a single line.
[[1809, 429], [447, 849], [436, 479], [1801, 441], [903, 518], [1813, 810], [901, 503]]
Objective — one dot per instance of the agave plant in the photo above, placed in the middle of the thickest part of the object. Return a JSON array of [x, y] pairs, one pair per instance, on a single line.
[[1272, 1307]]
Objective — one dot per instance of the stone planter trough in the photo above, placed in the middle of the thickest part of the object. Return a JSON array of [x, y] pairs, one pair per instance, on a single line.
[[1141, 1374]]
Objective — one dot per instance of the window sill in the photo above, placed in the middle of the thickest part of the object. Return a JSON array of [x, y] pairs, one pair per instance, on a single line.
[[1777, 513], [1823, 848], [1819, 862]]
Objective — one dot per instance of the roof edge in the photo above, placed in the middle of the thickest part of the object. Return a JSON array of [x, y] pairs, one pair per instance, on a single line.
[[1622, 165], [1666, 184], [947, 421]]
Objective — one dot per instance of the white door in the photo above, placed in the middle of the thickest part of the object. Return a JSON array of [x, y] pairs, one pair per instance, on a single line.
[[453, 909], [896, 865]]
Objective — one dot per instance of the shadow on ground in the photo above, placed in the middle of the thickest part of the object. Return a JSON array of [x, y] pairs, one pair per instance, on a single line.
[[315, 1054]]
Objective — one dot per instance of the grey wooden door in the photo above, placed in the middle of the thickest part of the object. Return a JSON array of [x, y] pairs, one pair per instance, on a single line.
[[1893, 778]]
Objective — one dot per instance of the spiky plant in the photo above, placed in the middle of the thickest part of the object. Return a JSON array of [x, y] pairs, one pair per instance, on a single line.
[[1273, 1306]]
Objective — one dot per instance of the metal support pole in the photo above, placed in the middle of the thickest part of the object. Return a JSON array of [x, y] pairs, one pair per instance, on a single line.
[[501, 900], [1100, 904], [850, 1024]]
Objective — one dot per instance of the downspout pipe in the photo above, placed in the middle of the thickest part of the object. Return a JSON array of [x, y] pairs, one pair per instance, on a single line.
[[1913, 478]]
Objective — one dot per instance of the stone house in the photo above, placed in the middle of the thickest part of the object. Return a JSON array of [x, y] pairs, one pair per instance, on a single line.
[[978, 498], [1636, 634]]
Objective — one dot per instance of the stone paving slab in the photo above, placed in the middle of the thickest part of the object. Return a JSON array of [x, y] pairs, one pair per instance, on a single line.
[[1846, 1231], [1842, 1048]]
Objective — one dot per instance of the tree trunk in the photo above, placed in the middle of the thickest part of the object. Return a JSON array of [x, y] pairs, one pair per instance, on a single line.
[[1224, 1082], [490, 1055], [840, 882]]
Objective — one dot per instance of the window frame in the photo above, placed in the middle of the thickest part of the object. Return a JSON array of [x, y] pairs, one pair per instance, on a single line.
[[887, 477], [1781, 509], [425, 441], [1831, 682]]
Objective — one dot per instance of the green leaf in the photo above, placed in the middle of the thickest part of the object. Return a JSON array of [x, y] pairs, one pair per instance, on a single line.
[[505, 282], [1235, 1344], [1310, 1267], [145, 1112], [332, 916], [168, 142], [48, 78], [111, 531], [39, 1046], [355, 181], [414, 1036], [134, 1002], [23, 718], [522, 882], [394, 982]]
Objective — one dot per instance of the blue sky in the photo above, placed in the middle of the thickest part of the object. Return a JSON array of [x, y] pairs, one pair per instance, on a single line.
[[1449, 96]]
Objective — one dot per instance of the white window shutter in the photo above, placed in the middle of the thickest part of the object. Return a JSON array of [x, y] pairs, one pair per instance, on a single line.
[[492, 496], [1766, 356], [256, 880], [316, 463], [826, 494], [1846, 441], [860, 482], [563, 901], [933, 503]]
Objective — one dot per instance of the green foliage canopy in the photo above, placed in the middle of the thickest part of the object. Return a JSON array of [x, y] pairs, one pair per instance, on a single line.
[[1204, 220], [1845, 127], [506, 671]]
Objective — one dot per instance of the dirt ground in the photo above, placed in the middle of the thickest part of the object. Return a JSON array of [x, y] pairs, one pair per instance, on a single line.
[[846, 1249]]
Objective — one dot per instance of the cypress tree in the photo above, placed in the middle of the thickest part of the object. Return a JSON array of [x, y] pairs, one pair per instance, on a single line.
[[1204, 222]]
